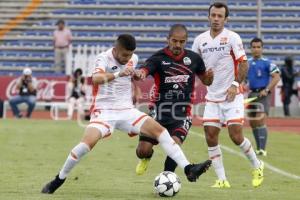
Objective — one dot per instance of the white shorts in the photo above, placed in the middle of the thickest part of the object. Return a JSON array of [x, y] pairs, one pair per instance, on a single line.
[[224, 113], [129, 120]]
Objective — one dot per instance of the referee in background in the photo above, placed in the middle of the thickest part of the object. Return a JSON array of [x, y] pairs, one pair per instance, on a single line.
[[262, 78]]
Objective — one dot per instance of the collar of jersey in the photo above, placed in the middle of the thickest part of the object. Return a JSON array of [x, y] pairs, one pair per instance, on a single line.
[[170, 54]]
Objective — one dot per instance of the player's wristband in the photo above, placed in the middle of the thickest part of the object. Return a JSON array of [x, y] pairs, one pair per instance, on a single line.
[[235, 83], [116, 74]]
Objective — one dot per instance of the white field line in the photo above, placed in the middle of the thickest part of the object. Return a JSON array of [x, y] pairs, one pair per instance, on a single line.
[[267, 165]]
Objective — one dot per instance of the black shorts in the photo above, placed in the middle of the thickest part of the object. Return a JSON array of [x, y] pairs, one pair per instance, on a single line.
[[179, 129], [261, 105]]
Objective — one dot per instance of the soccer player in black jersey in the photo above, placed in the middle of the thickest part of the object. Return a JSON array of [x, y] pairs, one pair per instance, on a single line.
[[174, 69]]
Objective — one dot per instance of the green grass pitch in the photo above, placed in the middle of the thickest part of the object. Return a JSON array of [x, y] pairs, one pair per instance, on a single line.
[[32, 152]]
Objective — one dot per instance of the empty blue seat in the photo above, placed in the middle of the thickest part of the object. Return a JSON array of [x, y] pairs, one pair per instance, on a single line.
[[31, 33], [101, 12], [89, 12], [11, 54], [289, 47], [273, 4], [13, 43], [247, 4], [294, 4], [45, 33], [282, 37], [274, 26], [82, 34], [6, 64], [295, 37], [24, 54], [245, 14], [46, 64], [19, 64], [268, 37]]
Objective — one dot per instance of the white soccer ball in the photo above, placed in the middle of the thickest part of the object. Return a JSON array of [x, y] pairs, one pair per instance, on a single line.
[[167, 184]]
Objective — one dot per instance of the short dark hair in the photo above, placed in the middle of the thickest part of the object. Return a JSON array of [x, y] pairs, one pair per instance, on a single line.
[[78, 70], [219, 5], [256, 39], [126, 41], [175, 27], [60, 21]]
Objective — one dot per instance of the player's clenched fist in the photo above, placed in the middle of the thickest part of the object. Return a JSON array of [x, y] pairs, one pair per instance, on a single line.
[[209, 74], [139, 74], [128, 71], [231, 93]]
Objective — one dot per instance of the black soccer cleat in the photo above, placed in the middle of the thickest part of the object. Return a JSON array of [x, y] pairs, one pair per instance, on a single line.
[[53, 185], [193, 171]]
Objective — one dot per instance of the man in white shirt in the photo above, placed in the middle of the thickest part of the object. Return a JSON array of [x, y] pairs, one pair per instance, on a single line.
[[112, 108], [62, 38], [222, 51]]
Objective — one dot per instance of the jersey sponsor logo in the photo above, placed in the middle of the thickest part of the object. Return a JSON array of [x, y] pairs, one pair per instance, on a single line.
[[165, 63], [204, 44], [187, 61], [177, 79], [213, 49]]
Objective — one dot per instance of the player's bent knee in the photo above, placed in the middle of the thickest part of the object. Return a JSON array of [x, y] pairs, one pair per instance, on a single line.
[[91, 136], [144, 149], [100, 130], [143, 153]]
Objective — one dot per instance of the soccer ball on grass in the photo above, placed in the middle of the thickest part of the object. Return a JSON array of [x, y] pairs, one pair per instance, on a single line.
[[167, 184]]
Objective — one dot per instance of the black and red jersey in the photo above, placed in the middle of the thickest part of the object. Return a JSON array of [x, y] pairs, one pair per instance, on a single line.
[[174, 78]]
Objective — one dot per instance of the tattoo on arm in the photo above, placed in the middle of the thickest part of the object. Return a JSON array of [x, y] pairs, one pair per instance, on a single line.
[[242, 72]]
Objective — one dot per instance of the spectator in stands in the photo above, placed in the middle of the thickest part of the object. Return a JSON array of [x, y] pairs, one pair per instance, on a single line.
[[26, 85], [260, 85], [76, 93], [62, 38], [288, 78]]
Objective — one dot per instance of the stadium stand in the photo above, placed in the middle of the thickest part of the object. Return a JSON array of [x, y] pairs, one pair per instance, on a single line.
[[98, 22]]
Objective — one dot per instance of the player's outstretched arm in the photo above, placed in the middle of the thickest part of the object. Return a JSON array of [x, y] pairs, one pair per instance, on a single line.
[[103, 77], [207, 78]]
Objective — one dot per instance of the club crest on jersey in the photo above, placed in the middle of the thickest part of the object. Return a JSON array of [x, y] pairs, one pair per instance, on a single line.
[[223, 40], [187, 61]]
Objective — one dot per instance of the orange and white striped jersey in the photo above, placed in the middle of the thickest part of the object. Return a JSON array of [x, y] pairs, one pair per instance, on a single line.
[[116, 94], [222, 54]]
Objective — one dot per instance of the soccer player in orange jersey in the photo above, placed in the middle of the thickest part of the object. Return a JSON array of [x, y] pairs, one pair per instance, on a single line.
[[222, 51]]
